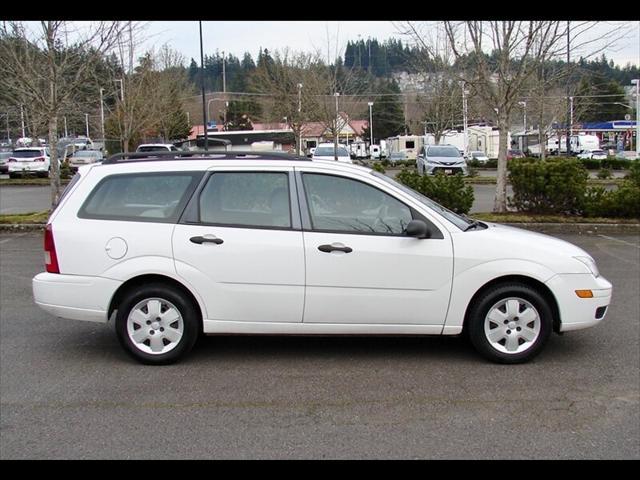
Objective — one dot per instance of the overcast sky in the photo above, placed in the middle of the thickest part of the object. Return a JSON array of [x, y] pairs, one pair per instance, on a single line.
[[237, 37]]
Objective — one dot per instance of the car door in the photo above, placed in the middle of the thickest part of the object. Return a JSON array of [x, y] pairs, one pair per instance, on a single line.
[[239, 244], [360, 266]]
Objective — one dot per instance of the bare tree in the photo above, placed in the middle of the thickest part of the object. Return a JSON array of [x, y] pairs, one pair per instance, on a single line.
[[50, 69], [290, 84]]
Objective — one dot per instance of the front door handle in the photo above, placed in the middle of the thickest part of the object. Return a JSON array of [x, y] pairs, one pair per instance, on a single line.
[[334, 248], [206, 239]]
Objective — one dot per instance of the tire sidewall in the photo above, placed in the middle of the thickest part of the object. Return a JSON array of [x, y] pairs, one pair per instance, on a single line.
[[185, 308], [488, 300]]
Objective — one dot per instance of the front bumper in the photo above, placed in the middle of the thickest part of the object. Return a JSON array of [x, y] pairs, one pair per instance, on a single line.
[[74, 296], [577, 313], [432, 169]]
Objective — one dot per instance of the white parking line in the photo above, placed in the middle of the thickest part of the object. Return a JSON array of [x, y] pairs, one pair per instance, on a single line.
[[618, 240], [6, 240]]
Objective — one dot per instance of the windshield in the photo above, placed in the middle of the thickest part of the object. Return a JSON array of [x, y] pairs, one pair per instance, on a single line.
[[87, 153], [454, 218], [443, 152], [329, 152], [153, 148], [27, 153]]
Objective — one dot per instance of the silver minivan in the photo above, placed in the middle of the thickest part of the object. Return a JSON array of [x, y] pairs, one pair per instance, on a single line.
[[444, 158]]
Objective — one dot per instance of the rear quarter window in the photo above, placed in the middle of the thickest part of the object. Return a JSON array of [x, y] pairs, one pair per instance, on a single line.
[[151, 197]]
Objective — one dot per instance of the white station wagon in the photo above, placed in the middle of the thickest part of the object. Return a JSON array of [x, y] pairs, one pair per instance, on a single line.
[[177, 245]]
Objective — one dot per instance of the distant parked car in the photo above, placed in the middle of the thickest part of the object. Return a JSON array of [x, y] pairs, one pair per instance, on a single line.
[[84, 157], [327, 151], [481, 157], [4, 156], [440, 158], [395, 157], [593, 154], [157, 147], [29, 161], [511, 154]]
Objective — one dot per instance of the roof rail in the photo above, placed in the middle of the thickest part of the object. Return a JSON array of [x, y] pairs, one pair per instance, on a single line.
[[200, 155]]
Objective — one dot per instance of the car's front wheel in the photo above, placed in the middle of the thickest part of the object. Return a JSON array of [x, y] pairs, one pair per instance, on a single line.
[[156, 324], [510, 323]]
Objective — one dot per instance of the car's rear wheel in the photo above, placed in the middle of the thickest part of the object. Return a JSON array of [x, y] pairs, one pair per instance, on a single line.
[[156, 324], [510, 323]]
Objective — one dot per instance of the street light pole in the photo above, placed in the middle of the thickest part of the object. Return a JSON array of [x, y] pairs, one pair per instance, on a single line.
[[66, 134], [22, 120], [524, 108], [636, 82], [335, 141], [224, 89], [86, 120], [370, 125], [300, 119], [464, 117]]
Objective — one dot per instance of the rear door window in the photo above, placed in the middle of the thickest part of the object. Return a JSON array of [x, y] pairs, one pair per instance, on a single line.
[[153, 197], [246, 199]]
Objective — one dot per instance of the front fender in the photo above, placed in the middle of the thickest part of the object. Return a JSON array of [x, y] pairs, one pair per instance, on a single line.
[[468, 282]]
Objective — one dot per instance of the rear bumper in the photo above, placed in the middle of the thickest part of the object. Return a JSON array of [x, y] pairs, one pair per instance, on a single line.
[[577, 313], [75, 297]]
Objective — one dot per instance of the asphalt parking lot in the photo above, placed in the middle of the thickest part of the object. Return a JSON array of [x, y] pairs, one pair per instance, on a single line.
[[69, 391]]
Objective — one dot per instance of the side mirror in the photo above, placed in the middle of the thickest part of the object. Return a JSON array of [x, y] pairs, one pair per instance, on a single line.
[[417, 229]]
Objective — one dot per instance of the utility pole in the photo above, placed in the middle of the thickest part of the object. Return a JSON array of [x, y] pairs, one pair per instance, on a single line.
[[102, 117], [204, 106], [337, 132], [86, 120], [8, 133], [66, 134]]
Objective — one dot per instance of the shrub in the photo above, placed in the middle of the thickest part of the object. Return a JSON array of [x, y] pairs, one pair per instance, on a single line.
[[547, 186], [623, 202], [604, 173], [65, 170], [378, 167], [449, 191]]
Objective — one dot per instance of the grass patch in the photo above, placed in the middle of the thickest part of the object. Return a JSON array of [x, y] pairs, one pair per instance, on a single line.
[[516, 217], [33, 217]]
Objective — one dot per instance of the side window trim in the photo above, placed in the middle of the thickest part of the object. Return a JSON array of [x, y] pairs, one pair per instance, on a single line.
[[306, 215], [191, 215]]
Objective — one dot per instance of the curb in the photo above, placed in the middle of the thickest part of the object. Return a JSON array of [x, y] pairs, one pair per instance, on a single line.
[[580, 228], [551, 228]]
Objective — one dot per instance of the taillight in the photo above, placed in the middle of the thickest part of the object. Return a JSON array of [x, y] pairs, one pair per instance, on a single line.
[[50, 257], [38, 159], [11, 160]]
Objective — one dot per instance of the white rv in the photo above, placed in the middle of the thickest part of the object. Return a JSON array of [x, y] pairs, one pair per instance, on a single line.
[[409, 144], [579, 143]]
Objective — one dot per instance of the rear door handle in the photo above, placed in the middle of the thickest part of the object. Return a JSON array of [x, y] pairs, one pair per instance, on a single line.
[[334, 248], [206, 239]]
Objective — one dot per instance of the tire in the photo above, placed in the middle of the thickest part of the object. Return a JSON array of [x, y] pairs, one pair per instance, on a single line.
[[14, 175], [510, 323], [167, 337]]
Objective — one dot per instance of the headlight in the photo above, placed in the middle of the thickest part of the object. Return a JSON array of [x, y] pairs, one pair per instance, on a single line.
[[590, 263]]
